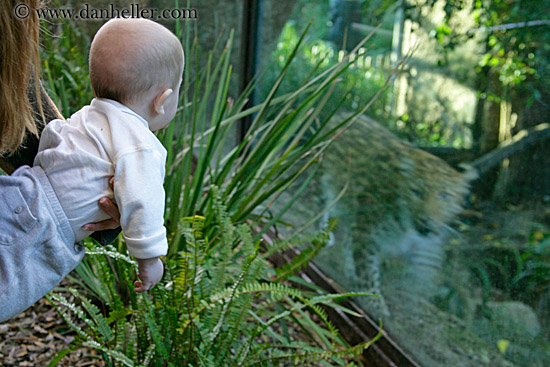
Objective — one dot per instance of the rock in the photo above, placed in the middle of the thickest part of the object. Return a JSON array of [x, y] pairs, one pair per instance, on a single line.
[[509, 320]]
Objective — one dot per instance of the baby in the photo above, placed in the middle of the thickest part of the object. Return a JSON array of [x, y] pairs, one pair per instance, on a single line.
[[136, 68]]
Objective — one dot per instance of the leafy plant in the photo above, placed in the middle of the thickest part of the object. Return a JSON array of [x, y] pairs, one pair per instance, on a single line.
[[217, 305], [220, 300], [287, 136], [500, 269], [360, 83], [519, 272], [64, 56]]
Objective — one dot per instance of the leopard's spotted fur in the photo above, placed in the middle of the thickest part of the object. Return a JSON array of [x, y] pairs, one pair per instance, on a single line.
[[400, 200]]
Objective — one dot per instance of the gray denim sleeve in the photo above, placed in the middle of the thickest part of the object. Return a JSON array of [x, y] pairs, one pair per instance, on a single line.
[[37, 247]]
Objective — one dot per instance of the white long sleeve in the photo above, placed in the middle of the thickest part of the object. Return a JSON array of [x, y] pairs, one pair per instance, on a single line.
[[139, 176], [102, 140]]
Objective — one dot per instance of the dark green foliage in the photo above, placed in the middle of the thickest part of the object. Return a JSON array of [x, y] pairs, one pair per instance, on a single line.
[[217, 305], [517, 53], [520, 273], [358, 86], [64, 54], [220, 302]]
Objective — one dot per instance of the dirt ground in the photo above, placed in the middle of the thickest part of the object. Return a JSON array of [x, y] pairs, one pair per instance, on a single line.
[[437, 338], [36, 336]]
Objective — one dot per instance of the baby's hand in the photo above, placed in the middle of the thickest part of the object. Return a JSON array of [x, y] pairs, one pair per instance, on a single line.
[[150, 273]]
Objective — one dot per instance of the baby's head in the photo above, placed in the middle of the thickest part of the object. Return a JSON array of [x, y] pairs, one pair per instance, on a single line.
[[137, 62]]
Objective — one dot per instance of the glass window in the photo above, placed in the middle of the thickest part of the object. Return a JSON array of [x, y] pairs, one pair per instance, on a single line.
[[460, 264]]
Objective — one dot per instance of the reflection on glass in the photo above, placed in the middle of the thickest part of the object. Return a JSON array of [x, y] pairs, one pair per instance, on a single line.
[[452, 244]]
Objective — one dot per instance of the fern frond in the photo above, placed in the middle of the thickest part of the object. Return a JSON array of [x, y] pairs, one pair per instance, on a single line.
[[298, 262], [158, 338], [255, 287], [307, 358], [323, 332], [58, 357], [232, 293], [149, 355], [317, 243], [283, 245], [112, 252], [118, 356], [238, 323], [86, 336], [245, 237], [59, 299], [99, 320]]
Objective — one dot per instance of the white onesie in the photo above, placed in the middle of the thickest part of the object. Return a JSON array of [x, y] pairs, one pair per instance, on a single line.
[[99, 141]]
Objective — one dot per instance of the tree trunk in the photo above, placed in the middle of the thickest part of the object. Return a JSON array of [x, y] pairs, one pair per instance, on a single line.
[[486, 129], [530, 171]]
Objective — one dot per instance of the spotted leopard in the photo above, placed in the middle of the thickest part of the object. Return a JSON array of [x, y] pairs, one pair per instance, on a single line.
[[399, 203]]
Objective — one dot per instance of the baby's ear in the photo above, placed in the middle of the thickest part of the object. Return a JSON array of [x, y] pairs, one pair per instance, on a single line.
[[160, 100]]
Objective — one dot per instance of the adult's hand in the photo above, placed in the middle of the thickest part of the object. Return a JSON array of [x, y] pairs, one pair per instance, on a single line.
[[111, 209]]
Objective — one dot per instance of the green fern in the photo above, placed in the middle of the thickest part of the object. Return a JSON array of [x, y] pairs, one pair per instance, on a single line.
[[206, 317], [99, 320], [318, 242], [219, 300]]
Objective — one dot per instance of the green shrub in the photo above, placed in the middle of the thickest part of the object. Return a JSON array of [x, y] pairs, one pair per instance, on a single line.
[[217, 305], [220, 300]]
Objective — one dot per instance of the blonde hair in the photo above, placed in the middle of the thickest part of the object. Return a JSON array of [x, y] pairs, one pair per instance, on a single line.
[[19, 65], [130, 57]]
